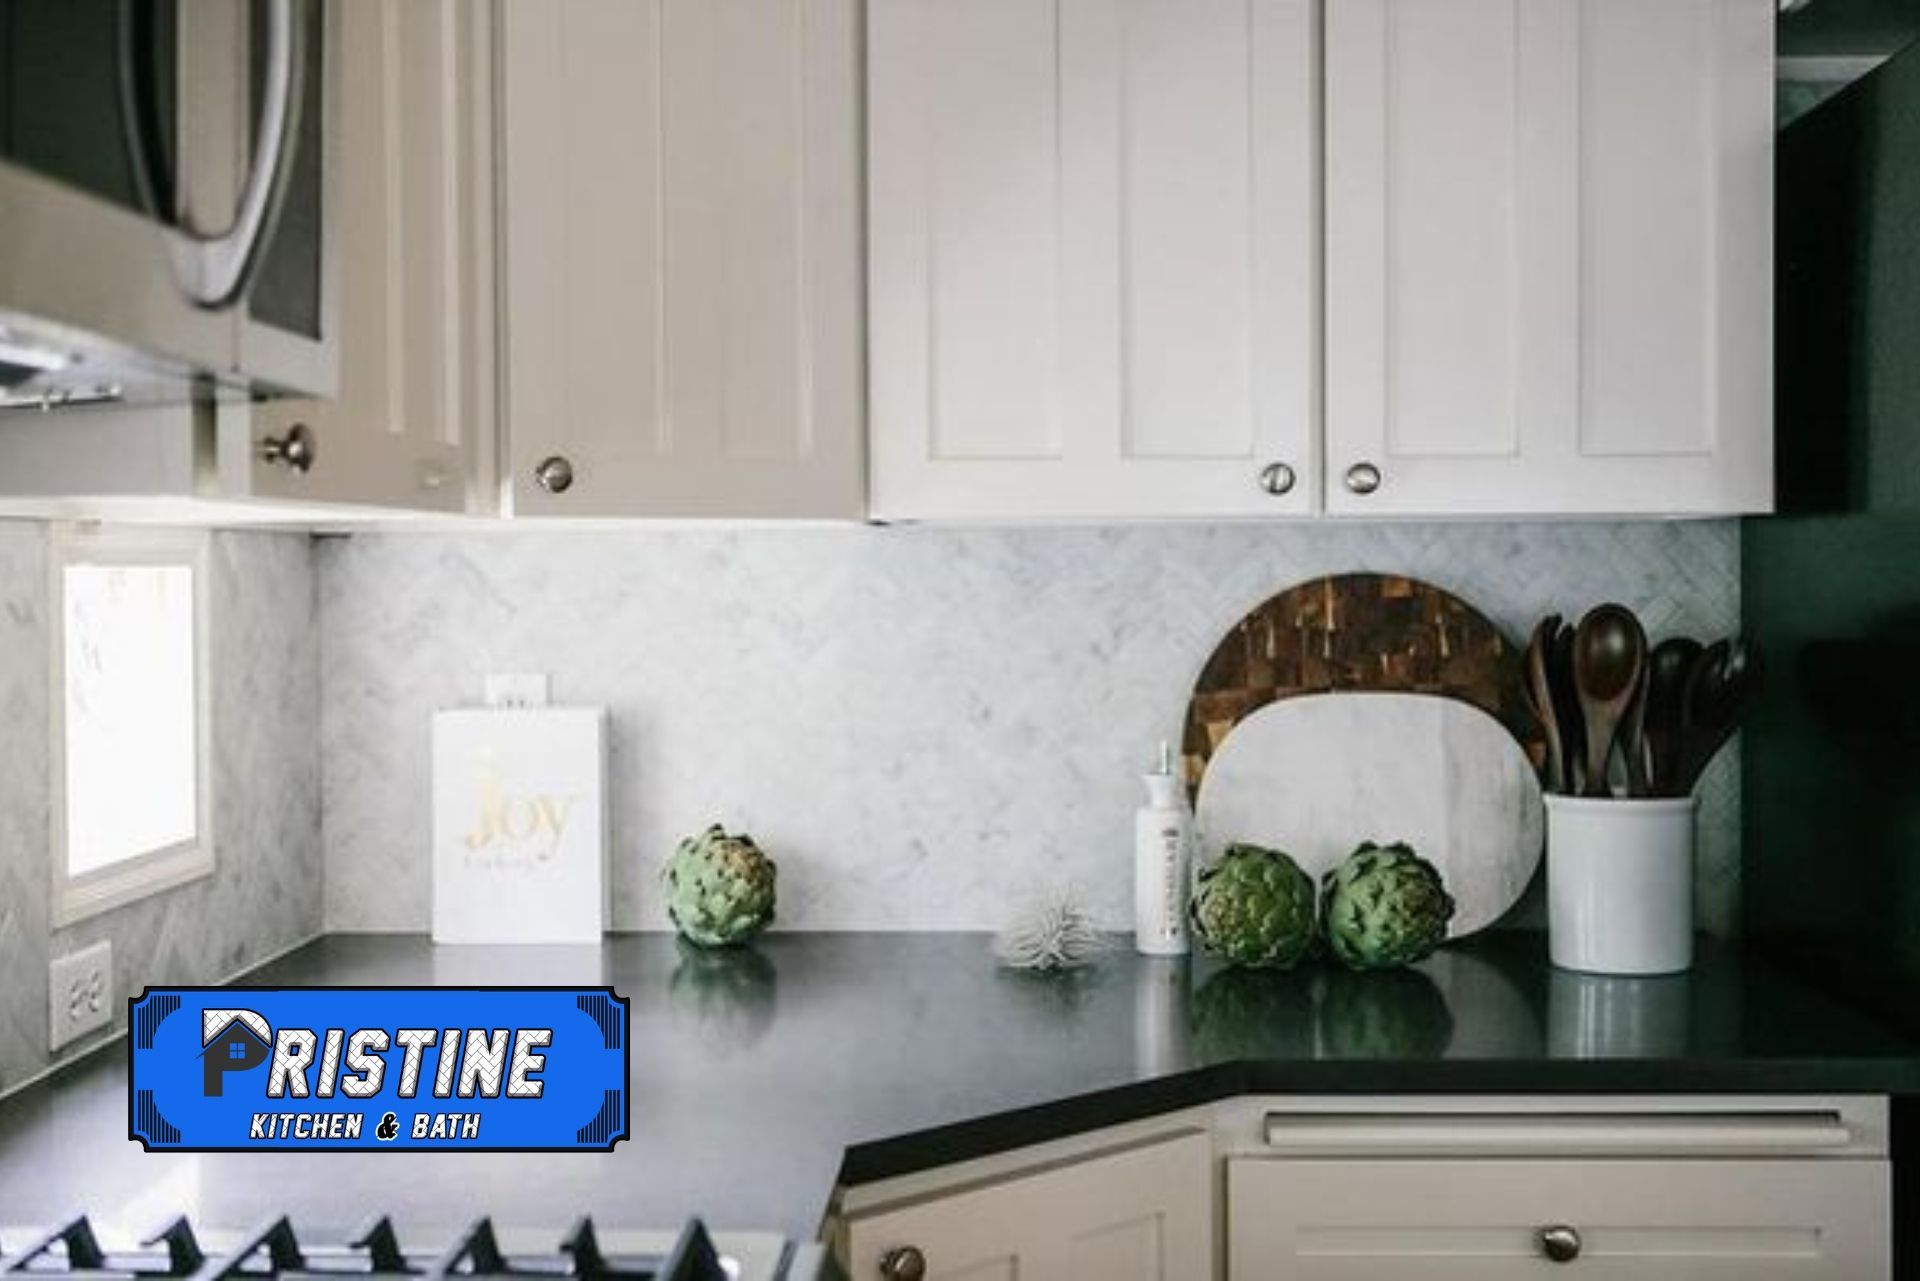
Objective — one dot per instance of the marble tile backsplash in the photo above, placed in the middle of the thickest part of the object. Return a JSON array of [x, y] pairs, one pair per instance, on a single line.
[[265, 892], [921, 724]]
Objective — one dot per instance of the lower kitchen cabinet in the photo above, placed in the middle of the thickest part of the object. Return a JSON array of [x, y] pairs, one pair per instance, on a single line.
[[1139, 1214], [1444, 1188], [1484, 1220]]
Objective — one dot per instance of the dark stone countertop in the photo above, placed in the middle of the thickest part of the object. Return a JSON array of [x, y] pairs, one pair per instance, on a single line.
[[762, 1076]]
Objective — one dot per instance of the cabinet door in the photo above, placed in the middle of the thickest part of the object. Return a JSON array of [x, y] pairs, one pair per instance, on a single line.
[[414, 413], [1549, 256], [1484, 1220], [1140, 1215], [1092, 260], [681, 257]]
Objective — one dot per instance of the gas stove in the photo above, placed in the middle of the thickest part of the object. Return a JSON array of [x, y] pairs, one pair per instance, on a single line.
[[377, 1250]]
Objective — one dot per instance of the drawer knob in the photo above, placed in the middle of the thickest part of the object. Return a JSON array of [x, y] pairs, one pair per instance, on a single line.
[[903, 1263], [1277, 479], [1363, 478], [1560, 1243], [294, 451], [555, 475]]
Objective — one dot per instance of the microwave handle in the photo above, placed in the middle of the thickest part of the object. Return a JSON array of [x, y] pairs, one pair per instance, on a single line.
[[214, 269]]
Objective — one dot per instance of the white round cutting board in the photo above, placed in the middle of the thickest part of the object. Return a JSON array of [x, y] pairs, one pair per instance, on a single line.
[[1316, 776]]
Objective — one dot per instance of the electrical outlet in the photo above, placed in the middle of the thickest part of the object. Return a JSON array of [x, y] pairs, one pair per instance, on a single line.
[[506, 689], [80, 993]]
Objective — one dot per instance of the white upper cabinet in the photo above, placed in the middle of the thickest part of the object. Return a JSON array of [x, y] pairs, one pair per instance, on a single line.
[[410, 428], [413, 421], [1092, 257], [680, 249], [1549, 256]]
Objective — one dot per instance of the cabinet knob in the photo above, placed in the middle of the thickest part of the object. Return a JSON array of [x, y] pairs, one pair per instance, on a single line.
[[1560, 1243], [903, 1263], [1363, 478], [295, 450], [555, 475], [1277, 479]]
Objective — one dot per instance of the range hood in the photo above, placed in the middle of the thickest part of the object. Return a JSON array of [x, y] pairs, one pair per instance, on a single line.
[[45, 367]]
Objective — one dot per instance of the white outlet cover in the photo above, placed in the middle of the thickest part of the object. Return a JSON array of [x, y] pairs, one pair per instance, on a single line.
[[79, 993], [518, 689]]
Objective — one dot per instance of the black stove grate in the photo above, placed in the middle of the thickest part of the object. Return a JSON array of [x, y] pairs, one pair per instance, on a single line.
[[274, 1252]]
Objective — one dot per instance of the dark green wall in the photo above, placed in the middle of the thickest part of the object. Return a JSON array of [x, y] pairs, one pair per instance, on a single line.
[[1832, 584]]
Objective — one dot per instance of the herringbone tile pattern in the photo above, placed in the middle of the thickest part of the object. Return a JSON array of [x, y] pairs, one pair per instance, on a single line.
[[921, 724]]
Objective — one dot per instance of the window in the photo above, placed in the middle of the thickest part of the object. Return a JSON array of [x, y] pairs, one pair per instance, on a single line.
[[130, 783]]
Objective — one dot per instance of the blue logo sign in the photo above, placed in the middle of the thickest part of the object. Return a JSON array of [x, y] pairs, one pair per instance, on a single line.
[[233, 1069]]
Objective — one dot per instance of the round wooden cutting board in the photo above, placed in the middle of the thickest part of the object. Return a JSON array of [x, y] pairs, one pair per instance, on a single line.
[[1375, 632]]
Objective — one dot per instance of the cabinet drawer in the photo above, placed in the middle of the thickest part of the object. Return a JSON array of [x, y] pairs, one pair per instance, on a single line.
[[1139, 1214], [1675, 1220]]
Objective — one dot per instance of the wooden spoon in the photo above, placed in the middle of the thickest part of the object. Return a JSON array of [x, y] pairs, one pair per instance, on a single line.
[[1566, 708], [1633, 739], [1667, 669], [1540, 699], [1609, 655], [1718, 689]]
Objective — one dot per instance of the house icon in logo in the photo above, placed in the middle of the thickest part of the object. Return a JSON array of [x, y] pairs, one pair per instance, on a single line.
[[230, 1041]]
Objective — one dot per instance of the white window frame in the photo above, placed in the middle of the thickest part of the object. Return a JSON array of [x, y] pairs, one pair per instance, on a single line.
[[77, 897]]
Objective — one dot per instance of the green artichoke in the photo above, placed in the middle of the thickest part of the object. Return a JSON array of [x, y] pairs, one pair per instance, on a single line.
[[719, 888], [1384, 906], [1254, 907]]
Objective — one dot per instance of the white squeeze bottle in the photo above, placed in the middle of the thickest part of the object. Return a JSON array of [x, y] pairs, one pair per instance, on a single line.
[[1162, 839]]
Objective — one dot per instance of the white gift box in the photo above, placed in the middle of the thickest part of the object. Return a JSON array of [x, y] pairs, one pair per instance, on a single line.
[[520, 825]]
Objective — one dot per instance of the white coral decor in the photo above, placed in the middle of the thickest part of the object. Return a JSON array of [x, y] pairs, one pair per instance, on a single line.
[[1055, 934]]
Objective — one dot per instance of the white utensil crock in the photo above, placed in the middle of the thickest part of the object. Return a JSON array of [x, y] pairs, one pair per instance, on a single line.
[[1620, 884]]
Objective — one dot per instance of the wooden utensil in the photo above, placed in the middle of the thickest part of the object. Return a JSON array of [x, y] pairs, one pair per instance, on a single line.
[[1667, 668], [1566, 709], [1718, 688], [1540, 699], [1633, 740], [1609, 656]]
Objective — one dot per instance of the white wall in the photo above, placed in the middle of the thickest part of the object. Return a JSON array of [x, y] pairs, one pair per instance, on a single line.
[[264, 894], [919, 724]]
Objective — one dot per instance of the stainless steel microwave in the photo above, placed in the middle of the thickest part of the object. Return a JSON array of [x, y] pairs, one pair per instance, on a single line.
[[165, 200]]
